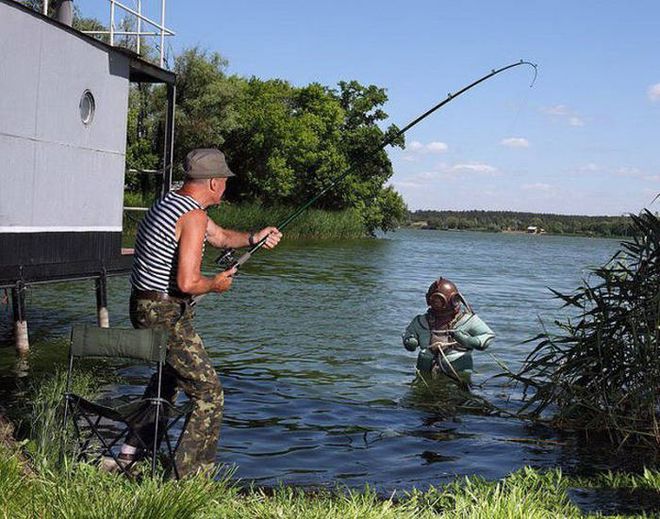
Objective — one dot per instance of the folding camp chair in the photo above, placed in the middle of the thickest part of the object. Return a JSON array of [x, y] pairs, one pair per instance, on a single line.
[[119, 343]]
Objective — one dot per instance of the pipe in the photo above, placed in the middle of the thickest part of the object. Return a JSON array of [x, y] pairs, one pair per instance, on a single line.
[[64, 12]]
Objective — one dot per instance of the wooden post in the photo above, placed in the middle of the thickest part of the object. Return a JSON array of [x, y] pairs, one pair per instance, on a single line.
[[102, 301], [21, 338]]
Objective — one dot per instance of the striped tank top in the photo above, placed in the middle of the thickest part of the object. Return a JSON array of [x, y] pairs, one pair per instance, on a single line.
[[155, 259]]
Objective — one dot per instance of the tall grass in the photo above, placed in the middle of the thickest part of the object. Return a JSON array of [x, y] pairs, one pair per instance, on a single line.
[[88, 492], [312, 224], [601, 370], [43, 420]]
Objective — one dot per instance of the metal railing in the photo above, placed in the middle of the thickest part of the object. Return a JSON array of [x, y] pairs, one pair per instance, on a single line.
[[161, 31]]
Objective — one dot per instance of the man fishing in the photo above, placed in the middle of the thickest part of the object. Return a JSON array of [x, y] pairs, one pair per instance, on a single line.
[[447, 333], [166, 275]]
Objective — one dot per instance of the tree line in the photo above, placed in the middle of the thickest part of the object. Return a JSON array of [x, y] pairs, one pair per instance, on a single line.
[[509, 221]]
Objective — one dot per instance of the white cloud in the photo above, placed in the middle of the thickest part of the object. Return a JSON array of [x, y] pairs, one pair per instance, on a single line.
[[626, 171], [403, 184], [563, 113], [654, 92], [431, 147], [637, 173], [515, 142], [436, 147], [443, 172], [557, 110], [590, 168], [538, 186], [426, 175], [485, 169]]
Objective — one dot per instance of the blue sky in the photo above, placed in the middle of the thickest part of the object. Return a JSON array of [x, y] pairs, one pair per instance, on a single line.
[[584, 140]]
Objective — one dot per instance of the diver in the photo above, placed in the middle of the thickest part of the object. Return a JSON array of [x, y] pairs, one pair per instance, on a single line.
[[447, 333]]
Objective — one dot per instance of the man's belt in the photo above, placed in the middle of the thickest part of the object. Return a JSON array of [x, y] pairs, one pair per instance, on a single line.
[[154, 295]]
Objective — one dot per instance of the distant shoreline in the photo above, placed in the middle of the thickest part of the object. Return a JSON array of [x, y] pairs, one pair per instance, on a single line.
[[488, 231], [511, 222]]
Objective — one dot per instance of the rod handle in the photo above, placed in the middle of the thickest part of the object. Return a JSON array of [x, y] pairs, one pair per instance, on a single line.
[[246, 256]]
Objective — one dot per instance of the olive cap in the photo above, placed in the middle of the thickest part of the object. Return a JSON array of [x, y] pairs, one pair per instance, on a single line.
[[207, 163]]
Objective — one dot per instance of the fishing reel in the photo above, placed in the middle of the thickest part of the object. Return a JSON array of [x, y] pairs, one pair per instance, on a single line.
[[226, 260]]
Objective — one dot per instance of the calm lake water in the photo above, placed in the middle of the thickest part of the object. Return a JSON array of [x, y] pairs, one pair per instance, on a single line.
[[318, 386]]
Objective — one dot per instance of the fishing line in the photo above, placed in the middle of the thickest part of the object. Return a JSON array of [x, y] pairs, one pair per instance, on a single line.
[[523, 105]]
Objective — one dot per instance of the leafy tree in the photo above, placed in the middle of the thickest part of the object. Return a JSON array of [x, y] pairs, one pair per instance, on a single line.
[[205, 102], [286, 144], [385, 212], [142, 144], [292, 142]]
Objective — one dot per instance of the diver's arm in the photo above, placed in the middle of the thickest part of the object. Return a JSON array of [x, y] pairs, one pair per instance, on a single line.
[[476, 335], [411, 336]]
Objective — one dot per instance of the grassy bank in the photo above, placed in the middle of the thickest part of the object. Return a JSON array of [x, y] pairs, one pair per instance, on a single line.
[[72, 490], [312, 224], [84, 491]]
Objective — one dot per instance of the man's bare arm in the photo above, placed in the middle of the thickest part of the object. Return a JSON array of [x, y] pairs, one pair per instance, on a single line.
[[191, 228], [227, 238]]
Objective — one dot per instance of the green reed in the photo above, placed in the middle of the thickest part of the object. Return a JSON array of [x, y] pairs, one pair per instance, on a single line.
[[47, 440], [600, 372], [312, 224]]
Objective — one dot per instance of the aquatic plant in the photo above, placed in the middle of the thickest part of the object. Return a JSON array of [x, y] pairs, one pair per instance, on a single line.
[[447, 397], [600, 371], [313, 224]]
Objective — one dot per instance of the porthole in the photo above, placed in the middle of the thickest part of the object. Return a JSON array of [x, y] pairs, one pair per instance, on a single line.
[[87, 107]]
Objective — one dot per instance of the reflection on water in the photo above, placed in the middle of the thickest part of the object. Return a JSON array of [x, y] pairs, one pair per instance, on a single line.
[[319, 388]]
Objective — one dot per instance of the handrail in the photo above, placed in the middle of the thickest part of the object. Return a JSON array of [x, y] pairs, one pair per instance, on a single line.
[[162, 30]]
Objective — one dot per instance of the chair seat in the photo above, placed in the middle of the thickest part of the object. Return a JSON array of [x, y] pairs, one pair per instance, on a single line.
[[124, 409]]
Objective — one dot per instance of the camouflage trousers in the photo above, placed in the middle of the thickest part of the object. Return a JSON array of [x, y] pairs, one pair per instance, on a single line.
[[189, 369]]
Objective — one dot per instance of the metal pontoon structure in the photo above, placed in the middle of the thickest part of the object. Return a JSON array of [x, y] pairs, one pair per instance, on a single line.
[[63, 122]]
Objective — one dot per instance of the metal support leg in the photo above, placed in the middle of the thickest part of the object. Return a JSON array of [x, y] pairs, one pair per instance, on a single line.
[[21, 338], [102, 301], [168, 151]]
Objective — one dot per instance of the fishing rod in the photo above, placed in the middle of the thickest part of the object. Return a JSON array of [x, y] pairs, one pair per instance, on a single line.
[[227, 260]]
